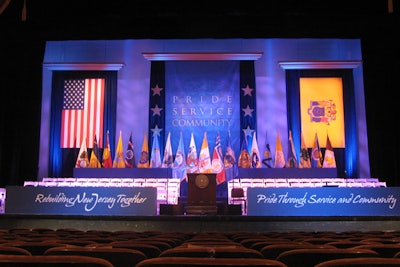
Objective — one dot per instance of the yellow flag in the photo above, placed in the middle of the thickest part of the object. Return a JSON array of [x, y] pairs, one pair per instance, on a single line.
[[107, 162], [144, 161], [119, 154], [204, 157], [329, 158], [279, 156], [94, 157]]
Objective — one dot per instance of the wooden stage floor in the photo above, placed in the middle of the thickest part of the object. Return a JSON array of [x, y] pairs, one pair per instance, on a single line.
[[202, 223]]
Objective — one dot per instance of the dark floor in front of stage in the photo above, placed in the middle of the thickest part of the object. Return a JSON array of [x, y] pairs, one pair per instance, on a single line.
[[202, 223]]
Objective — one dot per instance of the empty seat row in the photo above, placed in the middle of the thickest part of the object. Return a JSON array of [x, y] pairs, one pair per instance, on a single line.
[[279, 249]]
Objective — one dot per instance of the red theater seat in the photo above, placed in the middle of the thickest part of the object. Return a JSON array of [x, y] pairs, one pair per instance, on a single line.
[[215, 262], [313, 256], [212, 252], [119, 257], [360, 262], [51, 261]]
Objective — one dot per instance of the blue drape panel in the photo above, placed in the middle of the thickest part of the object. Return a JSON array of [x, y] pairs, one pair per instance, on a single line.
[[157, 78], [62, 160], [247, 79]]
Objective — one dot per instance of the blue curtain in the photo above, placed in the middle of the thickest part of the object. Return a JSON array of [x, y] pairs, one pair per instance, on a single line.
[[62, 160], [248, 124], [157, 80]]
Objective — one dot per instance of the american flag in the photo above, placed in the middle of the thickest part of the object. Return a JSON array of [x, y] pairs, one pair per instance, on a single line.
[[82, 111]]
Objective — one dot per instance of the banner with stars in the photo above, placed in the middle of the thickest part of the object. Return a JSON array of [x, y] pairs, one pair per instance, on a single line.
[[248, 115], [157, 105]]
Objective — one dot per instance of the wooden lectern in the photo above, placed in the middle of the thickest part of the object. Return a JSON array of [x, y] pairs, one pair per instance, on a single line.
[[202, 188]]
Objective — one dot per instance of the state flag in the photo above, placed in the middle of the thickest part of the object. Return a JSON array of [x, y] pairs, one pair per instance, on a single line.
[[155, 157], [255, 153], [83, 158], [244, 160], [231, 167], [119, 161], [144, 155], [329, 158], [107, 161], [304, 155], [179, 165], [192, 162], [267, 156], [94, 156], [316, 154], [279, 156], [130, 160], [204, 157], [168, 158], [291, 161]]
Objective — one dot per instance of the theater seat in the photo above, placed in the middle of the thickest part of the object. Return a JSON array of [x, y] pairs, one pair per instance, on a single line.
[[272, 251], [149, 250], [215, 262], [384, 250], [119, 257], [34, 247], [212, 252], [311, 256], [360, 262], [249, 243], [7, 250], [51, 261]]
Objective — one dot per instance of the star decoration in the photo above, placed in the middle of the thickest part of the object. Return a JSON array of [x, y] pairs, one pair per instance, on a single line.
[[156, 110], [157, 90], [247, 90], [156, 131], [248, 131], [247, 111]]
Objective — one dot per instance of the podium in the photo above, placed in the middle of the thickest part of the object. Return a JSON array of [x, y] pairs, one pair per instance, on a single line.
[[201, 194]]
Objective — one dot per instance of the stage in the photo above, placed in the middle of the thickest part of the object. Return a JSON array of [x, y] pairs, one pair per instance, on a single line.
[[203, 223], [327, 204], [228, 219]]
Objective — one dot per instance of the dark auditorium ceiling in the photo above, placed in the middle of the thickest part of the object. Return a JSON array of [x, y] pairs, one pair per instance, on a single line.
[[89, 19]]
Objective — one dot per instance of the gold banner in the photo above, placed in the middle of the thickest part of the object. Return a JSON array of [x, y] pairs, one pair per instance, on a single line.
[[322, 111]]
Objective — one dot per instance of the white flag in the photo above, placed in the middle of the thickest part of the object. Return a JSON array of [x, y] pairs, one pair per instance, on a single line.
[[192, 161], [168, 158], [255, 153], [204, 158], [83, 157]]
